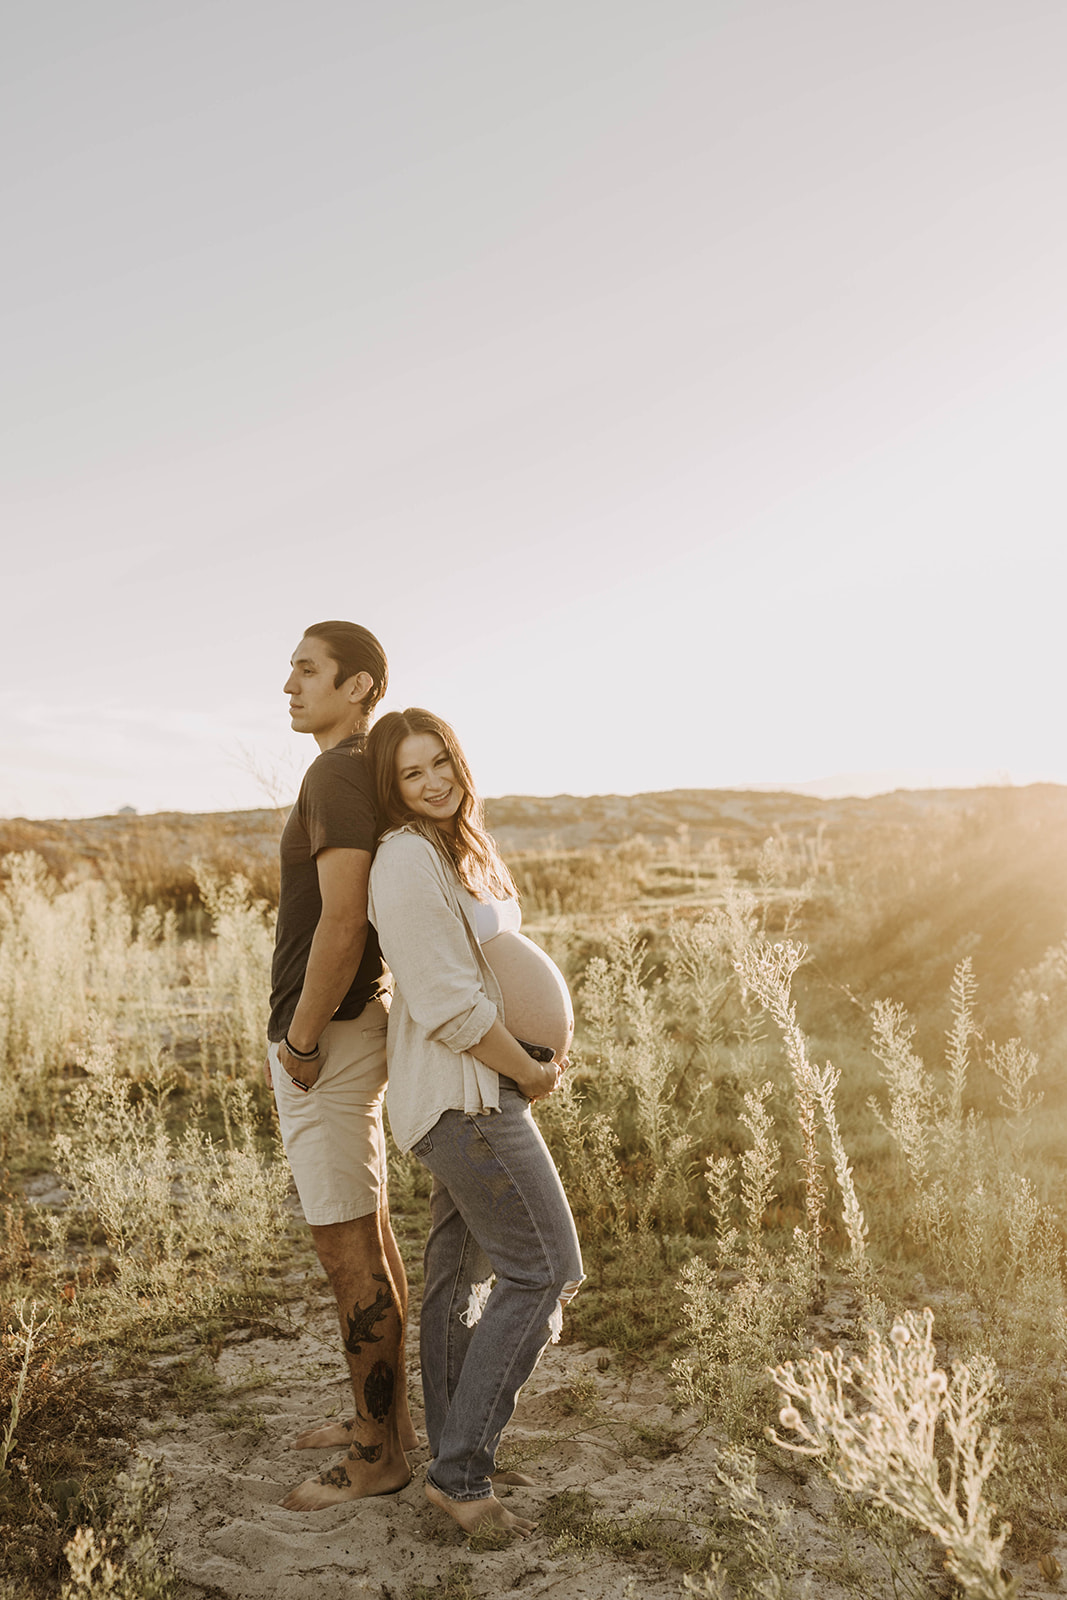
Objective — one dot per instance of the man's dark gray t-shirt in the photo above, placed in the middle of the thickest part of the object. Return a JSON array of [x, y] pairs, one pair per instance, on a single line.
[[334, 810]]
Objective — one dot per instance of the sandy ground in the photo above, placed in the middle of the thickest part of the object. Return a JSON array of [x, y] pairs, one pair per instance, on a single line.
[[230, 1537], [588, 1421], [575, 1429]]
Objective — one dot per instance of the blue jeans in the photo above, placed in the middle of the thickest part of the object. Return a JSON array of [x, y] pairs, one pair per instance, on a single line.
[[497, 1207]]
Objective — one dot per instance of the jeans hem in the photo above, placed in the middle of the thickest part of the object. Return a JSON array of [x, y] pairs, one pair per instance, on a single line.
[[463, 1499]]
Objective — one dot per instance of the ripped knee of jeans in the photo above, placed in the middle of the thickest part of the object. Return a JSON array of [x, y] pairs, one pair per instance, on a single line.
[[555, 1321], [476, 1304]]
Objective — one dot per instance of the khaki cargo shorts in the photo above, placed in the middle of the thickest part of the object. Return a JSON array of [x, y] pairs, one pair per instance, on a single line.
[[333, 1134]]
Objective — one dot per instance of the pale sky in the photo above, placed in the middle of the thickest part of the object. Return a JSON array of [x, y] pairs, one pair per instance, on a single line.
[[678, 389]]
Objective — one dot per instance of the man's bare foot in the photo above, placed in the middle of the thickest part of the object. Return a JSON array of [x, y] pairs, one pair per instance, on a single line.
[[517, 1480], [336, 1435], [479, 1516], [351, 1479]]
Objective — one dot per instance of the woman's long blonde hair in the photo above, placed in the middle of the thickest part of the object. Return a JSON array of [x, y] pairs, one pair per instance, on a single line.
[[471, 850]]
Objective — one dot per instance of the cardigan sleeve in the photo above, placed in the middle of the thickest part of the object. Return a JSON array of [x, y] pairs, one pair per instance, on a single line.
[[426, 944]]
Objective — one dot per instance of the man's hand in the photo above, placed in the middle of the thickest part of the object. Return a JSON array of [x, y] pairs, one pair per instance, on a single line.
[[303, 1073]]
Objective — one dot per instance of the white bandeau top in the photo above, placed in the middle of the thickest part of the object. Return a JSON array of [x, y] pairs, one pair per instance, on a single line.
[[496, 916]]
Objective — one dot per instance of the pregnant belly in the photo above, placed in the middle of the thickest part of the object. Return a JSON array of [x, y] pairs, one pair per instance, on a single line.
[[537, 1002]]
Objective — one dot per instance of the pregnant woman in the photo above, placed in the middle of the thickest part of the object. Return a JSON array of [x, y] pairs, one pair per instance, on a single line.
[[502, 1258]]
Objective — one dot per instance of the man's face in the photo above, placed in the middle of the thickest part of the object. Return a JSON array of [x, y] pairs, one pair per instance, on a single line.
[[315, 705]]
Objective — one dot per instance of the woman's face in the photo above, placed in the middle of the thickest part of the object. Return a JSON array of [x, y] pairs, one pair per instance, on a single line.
[[425, 778]]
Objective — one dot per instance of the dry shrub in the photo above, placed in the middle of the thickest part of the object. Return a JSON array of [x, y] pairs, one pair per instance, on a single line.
[[188, 1223], [123, 1560], [16, 1249], [572, 882], [61, 1419], [151, 861], [971, 1185], [688, 1114], [987, 879], [76, 963], [893, 1427]]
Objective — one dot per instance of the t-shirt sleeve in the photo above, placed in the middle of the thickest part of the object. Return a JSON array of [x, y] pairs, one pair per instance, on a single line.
[[337, 804]]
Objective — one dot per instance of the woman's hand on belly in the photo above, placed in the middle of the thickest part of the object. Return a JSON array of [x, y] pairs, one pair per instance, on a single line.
[[541, 1079], [501, 1051]]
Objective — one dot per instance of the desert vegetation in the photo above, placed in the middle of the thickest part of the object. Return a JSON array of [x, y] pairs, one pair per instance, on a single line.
[[813, 1134]]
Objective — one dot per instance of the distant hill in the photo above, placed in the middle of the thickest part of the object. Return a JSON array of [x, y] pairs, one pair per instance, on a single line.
[[908, 882], [864, 785], [122, 839], [578, 822], [569, 822]]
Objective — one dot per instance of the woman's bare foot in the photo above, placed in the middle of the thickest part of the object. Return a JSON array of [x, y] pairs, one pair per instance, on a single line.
[[479, 1516], [517, 1480], [352, 1479], [336, 1435]]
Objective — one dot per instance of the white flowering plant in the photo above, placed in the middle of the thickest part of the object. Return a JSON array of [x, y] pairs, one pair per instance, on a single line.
[[894, 1427]]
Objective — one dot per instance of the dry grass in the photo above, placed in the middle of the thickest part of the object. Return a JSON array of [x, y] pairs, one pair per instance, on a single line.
[[751, 1125]]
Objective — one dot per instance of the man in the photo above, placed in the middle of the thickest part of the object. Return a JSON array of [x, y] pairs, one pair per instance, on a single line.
[[326, 1058]]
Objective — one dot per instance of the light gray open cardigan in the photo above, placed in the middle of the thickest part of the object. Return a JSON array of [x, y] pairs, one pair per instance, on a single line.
[[447, 997]]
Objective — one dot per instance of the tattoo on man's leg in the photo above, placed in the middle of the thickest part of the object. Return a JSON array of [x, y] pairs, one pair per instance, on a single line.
[[361, 1326], [363, 1452], [337, 1476], [378, 1390]]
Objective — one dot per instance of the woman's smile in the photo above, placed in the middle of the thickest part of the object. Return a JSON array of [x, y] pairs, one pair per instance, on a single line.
[[426, 780]]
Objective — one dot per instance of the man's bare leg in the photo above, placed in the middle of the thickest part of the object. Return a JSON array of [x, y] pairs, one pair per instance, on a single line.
[[353, 1258], [409, 1439], [479, 1516], [335, 1435]]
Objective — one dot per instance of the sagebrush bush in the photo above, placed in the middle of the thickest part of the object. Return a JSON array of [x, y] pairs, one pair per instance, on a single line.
[[587, 882], [893, 1426], [968, 1182], [55, 1405], [123, 1560], [152, 861], [187, 1221], [74, 958]]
